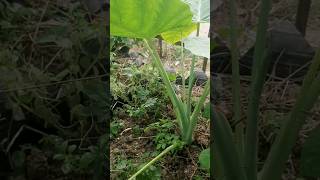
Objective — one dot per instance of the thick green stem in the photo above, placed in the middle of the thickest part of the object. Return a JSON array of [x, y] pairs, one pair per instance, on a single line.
[[183, 92], [258, 74], [168, 149], [191, 77], [195, 114], [239, 130], [190, 85], [177, 103]]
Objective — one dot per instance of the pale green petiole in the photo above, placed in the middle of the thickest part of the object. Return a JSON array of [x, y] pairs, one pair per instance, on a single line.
[[168, 149]]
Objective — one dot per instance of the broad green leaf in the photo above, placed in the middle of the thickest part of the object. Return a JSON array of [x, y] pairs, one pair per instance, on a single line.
[[310, 156], [200, 10], [199, 46], [172, 19], [204, 159]]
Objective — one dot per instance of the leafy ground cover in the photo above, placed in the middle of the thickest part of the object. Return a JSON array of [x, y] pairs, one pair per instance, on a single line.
[[53, 58]]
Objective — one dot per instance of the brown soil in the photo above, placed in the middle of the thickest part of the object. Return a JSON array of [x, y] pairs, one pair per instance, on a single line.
[[182, 165]]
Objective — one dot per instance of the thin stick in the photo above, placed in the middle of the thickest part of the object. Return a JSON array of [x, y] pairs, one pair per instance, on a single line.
[[51, 84], [35, 34]]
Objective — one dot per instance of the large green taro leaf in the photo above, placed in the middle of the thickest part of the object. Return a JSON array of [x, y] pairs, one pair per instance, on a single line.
[[172, 19]]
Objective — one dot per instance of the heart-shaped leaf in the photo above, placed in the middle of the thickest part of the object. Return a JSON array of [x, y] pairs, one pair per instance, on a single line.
[[199, 46], [204, 159], [200, 10], [172, 19]]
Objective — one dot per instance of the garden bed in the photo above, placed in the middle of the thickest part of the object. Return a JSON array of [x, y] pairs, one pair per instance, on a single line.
[[132, 144]]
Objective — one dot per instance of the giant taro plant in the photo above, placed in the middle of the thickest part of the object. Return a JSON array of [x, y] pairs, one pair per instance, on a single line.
[[173, 21]]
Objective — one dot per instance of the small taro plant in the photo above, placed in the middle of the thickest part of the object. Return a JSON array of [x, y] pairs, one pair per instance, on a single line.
[[235, 151], [173, 20]]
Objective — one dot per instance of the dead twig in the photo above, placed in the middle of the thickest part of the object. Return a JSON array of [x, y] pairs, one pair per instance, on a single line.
[[52, 84]]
